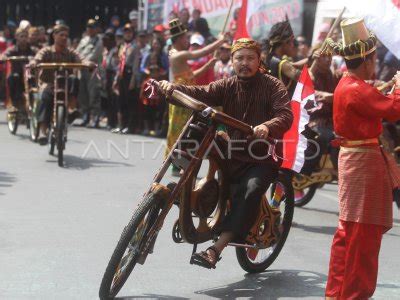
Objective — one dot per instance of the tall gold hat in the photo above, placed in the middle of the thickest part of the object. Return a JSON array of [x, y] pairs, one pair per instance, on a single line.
[[358, 42], [176, 28], [355, 32]]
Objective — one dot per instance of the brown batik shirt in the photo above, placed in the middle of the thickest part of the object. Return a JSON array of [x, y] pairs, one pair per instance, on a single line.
[[49, 55], [262, 99]]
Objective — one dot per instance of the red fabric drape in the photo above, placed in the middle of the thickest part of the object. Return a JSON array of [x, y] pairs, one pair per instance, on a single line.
[[241, 31]]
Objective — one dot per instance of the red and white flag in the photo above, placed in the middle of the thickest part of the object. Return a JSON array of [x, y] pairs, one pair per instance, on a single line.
[[295, 143]]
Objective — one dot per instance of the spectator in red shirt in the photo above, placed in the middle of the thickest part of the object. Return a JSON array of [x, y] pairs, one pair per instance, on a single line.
[[205, 63]]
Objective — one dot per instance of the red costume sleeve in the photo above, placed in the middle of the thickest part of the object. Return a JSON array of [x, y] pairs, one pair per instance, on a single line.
[[369, 102]]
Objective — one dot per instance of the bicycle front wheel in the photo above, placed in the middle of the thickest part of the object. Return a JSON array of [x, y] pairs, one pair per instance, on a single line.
[[52, 140], [133, 246], [33, 121], [60, 135]]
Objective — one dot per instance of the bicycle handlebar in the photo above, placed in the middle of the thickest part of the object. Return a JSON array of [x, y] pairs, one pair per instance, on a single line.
[[15, 59], [232, 122], [51, 66], [198, 106]]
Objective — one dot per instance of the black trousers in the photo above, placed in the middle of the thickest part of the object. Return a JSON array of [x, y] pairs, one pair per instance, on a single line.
[[110, 101], [46, 106], [247, 188], [47, 99], [16, 88], [128, 102]]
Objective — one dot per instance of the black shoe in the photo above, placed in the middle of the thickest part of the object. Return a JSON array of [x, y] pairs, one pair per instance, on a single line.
[[42, 141], [73, 115]]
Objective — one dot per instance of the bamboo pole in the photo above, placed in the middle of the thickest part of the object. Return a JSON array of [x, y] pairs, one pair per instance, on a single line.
[[335, 24], [225, 24], [227, 17], [324, 44]]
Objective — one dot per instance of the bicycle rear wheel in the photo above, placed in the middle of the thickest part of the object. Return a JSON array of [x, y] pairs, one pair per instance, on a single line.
[[258, 260], [306, 195], [133, 246]]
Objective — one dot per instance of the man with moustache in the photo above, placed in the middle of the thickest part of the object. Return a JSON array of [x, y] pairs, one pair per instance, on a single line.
[[261, 101], [57, 53], [223, 67]]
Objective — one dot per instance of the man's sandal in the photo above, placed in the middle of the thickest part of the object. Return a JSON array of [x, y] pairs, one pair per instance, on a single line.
[[204, 260]]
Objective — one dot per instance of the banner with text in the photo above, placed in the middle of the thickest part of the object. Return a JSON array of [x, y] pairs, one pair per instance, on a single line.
[[261, 14]]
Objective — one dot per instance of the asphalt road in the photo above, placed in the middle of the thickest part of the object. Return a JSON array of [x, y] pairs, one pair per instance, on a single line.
[[59, 226]]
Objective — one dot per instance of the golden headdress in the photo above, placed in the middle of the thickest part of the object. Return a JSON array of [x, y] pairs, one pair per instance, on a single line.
[[246, 43], [358, 42]]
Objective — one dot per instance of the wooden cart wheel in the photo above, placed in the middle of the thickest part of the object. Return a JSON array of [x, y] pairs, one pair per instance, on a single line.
[[203, 202]]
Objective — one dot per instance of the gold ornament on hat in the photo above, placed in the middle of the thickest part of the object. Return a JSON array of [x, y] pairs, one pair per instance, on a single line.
[[358, 42]]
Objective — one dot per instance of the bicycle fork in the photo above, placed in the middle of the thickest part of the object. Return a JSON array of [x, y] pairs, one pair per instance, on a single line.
[[60, 101]]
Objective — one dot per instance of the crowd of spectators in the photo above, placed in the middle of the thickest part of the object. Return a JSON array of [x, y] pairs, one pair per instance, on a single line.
[[127, 57]]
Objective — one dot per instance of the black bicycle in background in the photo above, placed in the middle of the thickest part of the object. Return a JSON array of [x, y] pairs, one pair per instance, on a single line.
[[18, 114]]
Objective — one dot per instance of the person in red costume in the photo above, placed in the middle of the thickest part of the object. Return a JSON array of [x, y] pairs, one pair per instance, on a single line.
[[367, 175]]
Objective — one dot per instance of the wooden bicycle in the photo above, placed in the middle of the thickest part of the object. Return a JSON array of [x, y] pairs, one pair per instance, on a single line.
[[203, 203]]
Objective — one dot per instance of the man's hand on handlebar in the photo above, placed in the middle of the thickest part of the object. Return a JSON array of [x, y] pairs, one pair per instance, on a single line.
[[166, 87], [261, 132]]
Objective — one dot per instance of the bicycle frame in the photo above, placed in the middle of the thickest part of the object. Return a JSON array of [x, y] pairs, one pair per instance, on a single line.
[[206, 200], [202, 114], [60, 99], [196, 158]]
